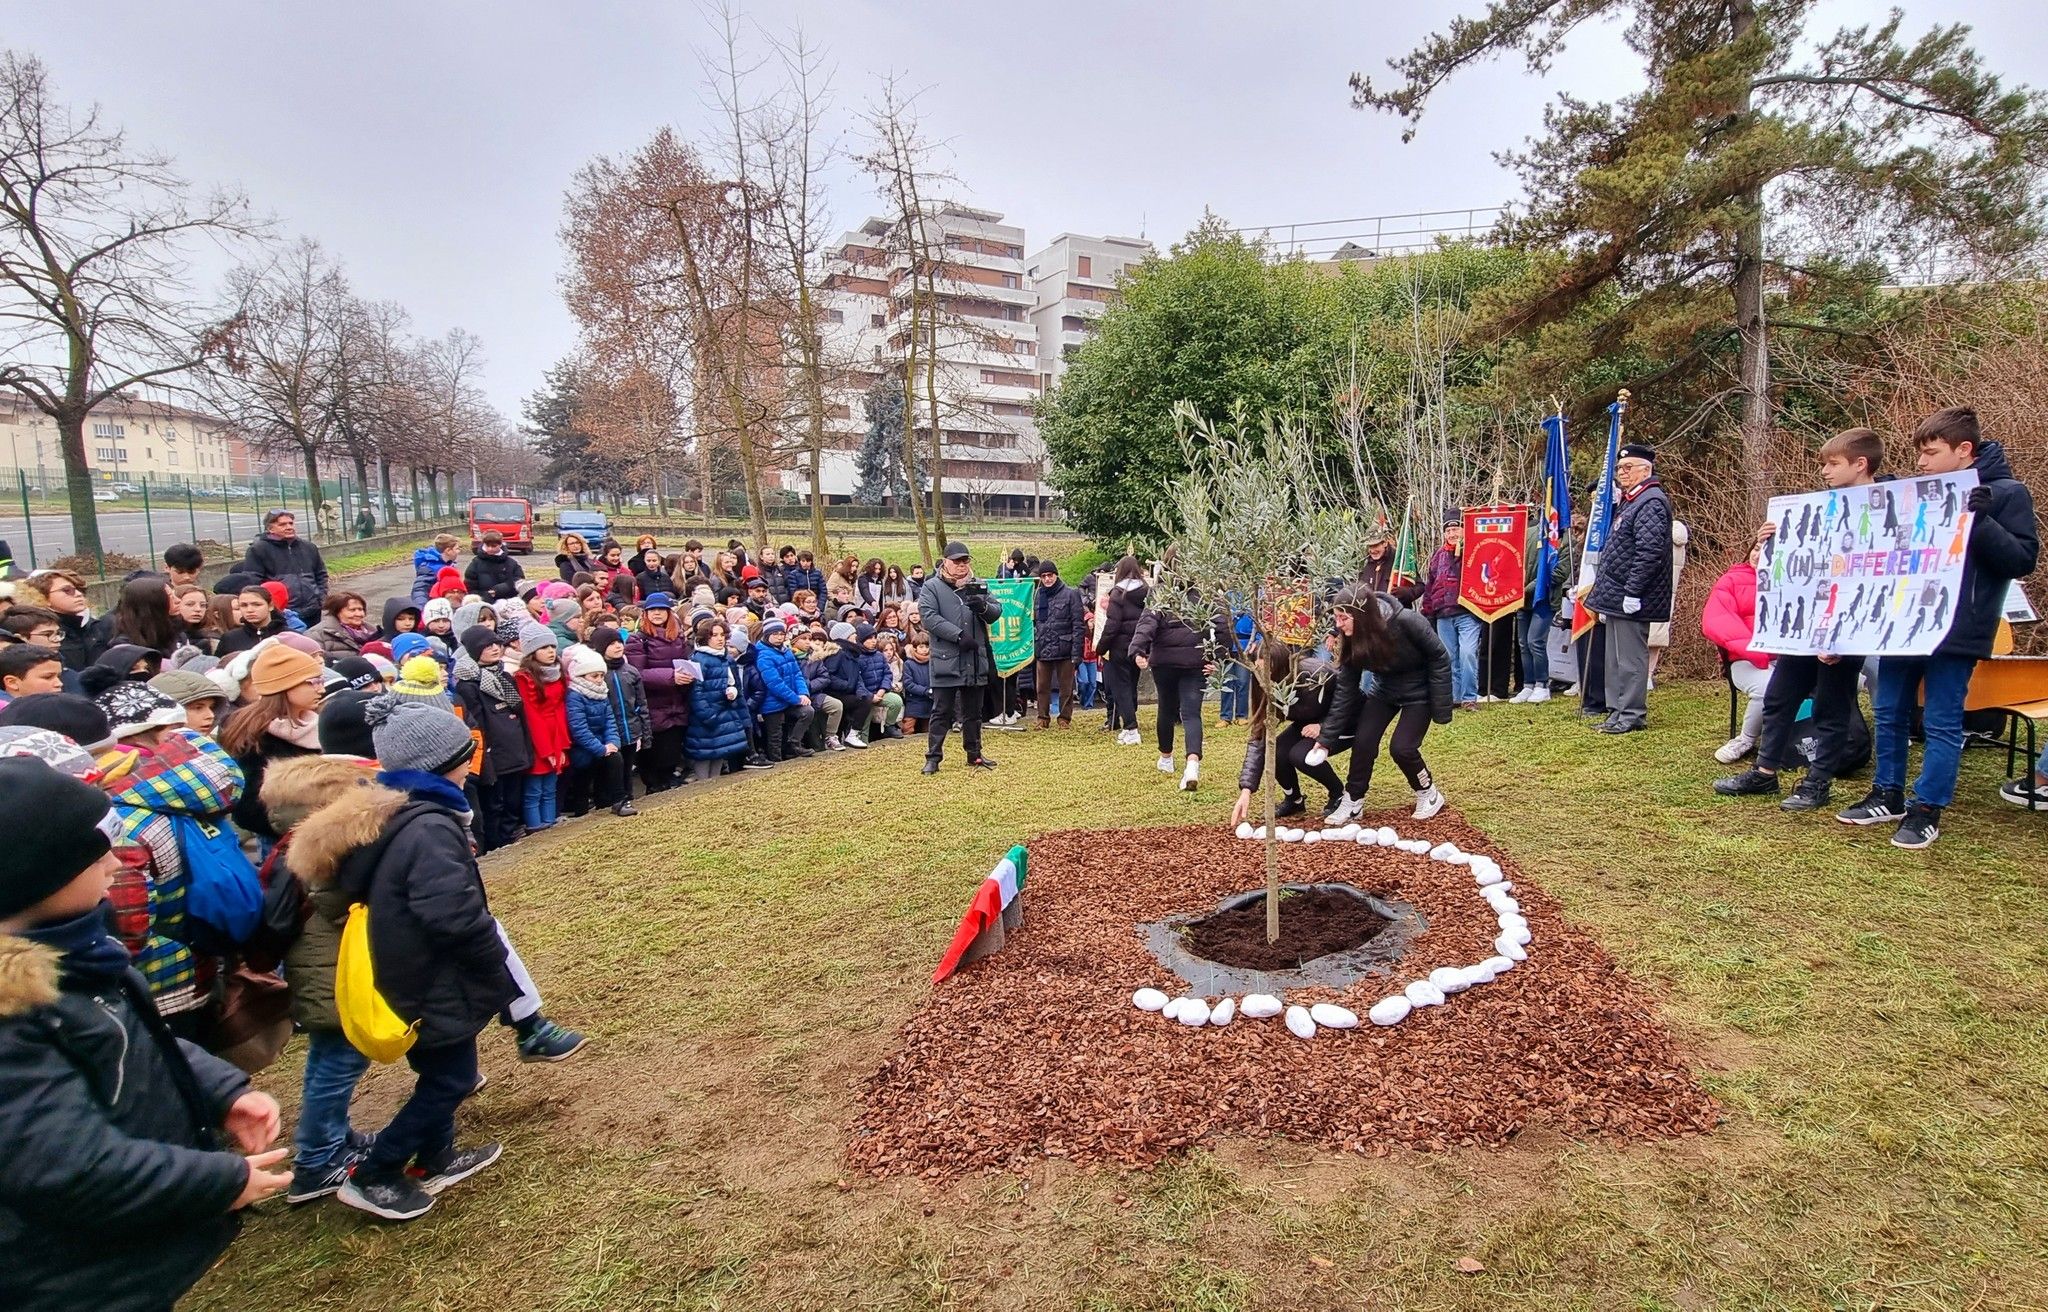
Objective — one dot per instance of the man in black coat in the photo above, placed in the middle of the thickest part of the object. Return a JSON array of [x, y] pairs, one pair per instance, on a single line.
[[1632, 589], [122, 1166], [957, 609], [282, 555], [1058, 625], [493, 574]]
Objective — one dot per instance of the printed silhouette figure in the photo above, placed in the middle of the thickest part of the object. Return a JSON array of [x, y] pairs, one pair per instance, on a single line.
[[1885, 643], [1877, 605], [1948, 505], [1805, 521], [1891, 512], [1799, 617], [1941, 611], [1784, 621], [1785, 525], [1921, 532]]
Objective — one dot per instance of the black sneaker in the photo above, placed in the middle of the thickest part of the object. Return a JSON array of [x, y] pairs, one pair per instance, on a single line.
[[311, 1182], [801, 752], [1750, 783], [931, 767], [756, 761], [981, 763], [453, 1167], [1880, 807], [1810, 795], [548, 1041], [400, 1199], [624, 808], [1920, 828], [1290, 804], [2025, 792]]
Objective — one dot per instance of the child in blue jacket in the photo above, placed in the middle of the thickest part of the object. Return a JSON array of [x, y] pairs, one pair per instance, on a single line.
[[840, 666], [917, 682], [427, 564], [717, 731], [785, 695], [598, 735], [880, 681]]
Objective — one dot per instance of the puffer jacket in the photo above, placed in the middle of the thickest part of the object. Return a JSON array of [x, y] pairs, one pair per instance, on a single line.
[[1168, 642], [782, 680], [1636, 559], [115, 1182], [296, 564], [842, 672], [1440, 588], [434, 945], [335, 639], [499, 716], [1419, 674], [333, 806], [1729, 620], [917, 689], [875, 674], [1058, 622], [668, 702], [547, 721], [494, 578], [1124, 608], [1314, 687], [718, 727], [799, 578], [2004, 545], [568, 567], [594, 724], [631, 689], [426, 571]]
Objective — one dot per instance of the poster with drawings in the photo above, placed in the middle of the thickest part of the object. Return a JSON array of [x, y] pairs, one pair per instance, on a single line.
[[1864, 571]]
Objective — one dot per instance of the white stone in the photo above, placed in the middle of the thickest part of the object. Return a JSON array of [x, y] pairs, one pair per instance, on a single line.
[[1486, 877], [1457, 859], [1333, 1017], [1148, 1000], [1418, 846], [1510, 949], [1290, 834], [1350, 831], [1368, 838], [1172, 1008], [1424, 994], [1312, 836], [1512, 920], [1244, 829], [1299, 1024], [1520, 937], [1193, 1012], [1390, 1010], [1258, 1006], [1223, 1012], [1334, 836], [1499, 965], [1480, 973], [1442, 851], [1260, 833], [1448, 978]]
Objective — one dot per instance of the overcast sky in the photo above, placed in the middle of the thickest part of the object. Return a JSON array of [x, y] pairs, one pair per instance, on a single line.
[[428, 143]]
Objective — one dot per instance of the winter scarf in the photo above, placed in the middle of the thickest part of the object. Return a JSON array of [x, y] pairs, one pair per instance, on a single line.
[[299, 733], [425, 787], [88, 950]]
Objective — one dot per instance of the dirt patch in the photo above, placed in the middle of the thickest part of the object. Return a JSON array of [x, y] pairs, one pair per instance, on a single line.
[[1313, 923], [1037, 1051]]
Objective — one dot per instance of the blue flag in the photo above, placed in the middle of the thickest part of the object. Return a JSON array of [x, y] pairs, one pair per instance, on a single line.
[[1556, 510], [1602, 517]]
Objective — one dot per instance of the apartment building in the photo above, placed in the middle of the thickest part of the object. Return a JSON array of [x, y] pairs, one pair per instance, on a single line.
[[991, 358], [126, 440], [1073, 281]]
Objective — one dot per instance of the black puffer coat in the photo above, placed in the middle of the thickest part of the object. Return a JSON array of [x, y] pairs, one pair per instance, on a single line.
[[507, 749], [433, 943], [1125, 607], [2004, 545], [294, 562], [1419, 674], [1058, 623], [1168, 642], [1636, 562], [115, 1183], [494, 578]]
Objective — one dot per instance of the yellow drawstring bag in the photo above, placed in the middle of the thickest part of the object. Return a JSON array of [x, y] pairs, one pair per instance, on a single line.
[[367, 1020]]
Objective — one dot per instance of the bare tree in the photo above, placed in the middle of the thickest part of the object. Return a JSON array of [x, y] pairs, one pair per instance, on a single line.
[[93, 294], [455, 417]]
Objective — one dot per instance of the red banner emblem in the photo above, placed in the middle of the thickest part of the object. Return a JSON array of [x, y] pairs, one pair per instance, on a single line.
[[1491, 582]]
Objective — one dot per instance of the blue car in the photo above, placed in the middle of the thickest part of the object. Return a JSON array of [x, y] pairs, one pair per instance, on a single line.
[[590, 524]]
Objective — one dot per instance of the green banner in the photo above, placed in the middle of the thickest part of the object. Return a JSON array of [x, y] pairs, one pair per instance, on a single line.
[[1010, 638]]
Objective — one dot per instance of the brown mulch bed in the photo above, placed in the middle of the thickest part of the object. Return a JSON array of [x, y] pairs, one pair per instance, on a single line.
[[1038, 1052]]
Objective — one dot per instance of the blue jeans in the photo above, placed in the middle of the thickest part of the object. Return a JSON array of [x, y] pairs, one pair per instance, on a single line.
[[1534, 625], [424, 1127], [539, 801], [1899, 679], [1237, 693], [333, 1069], [1085, 676], [1460, 635]]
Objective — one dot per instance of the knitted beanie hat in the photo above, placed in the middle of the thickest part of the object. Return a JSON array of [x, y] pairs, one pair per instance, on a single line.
[[63, 713], [533, 637], [564, 608], [382, 664], [406, 646], [411, 735], [420, 679], [773, 627], [438, 609], [507, 629], [279, 596], [52, 749], [299, 642], [343, 729], [184, 687], [840, 632], [602, 637], [134, 708], [56, 826], [279, 667], [580, 660], [477, 637]]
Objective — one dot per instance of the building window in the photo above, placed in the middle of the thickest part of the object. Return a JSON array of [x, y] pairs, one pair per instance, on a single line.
[[106, 455], [878, 321], [1087, 267], [104, 429], [835, 316], [171, 455]]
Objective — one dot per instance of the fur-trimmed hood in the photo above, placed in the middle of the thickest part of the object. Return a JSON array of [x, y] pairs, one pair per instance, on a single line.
[[28, 976], [356, 809], [296, 787]]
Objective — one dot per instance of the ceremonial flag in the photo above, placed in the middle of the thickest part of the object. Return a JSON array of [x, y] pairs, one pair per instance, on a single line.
[[1405, 568], [1491, 581], [1556, 507], [996, 912], [1010, 639], [1602, 516]]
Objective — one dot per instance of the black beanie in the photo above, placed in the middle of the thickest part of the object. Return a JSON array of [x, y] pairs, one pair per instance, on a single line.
[[602, 637], [356, 672], [344, 730], [52, 823], [477, 637], [63, 713]]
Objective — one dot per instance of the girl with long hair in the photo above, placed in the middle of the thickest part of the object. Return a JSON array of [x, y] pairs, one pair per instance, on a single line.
[[868, 588], [280, 723], [573, 557], [142, 616], [1294, 744], [1181, 657], [1126, 605], [1411, 685], [189, 604]]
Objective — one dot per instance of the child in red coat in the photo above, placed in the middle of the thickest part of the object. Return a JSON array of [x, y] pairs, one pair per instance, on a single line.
[[1729, 621], [546, 697]]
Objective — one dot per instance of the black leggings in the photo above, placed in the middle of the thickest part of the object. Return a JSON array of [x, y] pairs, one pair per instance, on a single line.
[[658, 761], [1290, 762], [1180, 698], [1410, 724], [1121, 674]]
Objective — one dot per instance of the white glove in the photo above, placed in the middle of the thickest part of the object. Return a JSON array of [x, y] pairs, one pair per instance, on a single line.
[[731, 692], [1630, 605]]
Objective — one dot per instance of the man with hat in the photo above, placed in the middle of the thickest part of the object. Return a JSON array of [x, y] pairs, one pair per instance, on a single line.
[[1632, 588], [957, 610]]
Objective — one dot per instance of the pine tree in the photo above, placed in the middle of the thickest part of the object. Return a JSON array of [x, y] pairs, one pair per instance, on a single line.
[[879, 468], [1760, 169]]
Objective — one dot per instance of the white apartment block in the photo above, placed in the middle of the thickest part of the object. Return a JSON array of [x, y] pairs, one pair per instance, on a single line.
[[125, 440], [993, 362]]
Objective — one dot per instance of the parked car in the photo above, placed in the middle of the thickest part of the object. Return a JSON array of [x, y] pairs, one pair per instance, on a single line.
[[591, 525], [105, 494]]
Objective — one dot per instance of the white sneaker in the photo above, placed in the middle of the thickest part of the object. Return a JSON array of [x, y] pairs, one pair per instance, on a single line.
[[1524, 695], [1489, 698], [1190, 776], [855, 741], [1735, 749], [1166, 765], [1128, 738], [1572, 691], [1428, 802], [1541, 693], [1348, 808]]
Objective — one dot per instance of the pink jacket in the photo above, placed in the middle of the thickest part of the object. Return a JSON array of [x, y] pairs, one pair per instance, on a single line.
[[1729, 621]]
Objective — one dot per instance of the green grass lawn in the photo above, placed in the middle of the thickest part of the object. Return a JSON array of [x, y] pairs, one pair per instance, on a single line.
[[1875, 1022]]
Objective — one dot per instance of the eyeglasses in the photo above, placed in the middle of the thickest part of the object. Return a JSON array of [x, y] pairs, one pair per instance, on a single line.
[[46, 634], [64, 590]]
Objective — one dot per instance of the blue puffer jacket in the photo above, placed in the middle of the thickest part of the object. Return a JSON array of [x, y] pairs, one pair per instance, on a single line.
[[781, 678], [426, 563], [842, 671], [875, 672], [917, 689], [797, 578], [593, 722], [718, 728]]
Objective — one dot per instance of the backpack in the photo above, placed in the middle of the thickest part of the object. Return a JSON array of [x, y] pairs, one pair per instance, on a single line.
[[223, 897], [367, 1020], [1855, 748]]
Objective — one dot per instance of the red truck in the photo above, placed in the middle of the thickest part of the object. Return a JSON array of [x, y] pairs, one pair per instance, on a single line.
[[511, 516]]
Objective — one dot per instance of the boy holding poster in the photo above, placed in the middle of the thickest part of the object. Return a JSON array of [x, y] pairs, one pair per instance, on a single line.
[[2002, 546], [1848, 459]]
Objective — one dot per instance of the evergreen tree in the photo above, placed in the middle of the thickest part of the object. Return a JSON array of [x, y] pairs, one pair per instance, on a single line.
[[879, 468], [574, 461], [1761, 171]]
